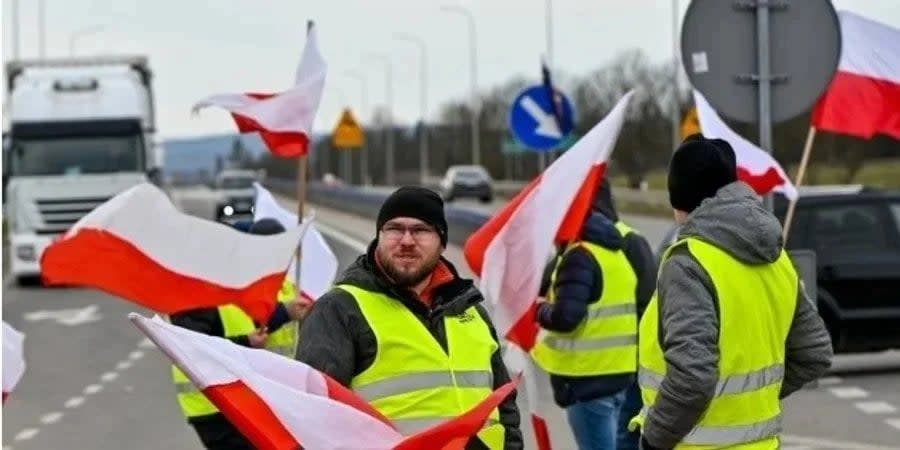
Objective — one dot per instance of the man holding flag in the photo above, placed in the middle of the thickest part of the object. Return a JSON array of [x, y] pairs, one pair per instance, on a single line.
[[279, 335], [405, 332]]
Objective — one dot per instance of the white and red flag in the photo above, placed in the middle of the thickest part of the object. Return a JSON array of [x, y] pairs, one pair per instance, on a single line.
[[319, 264], [284, 121], [863, 98], [510, 250], [279, 403], [755, 166], [139, 247], [13, 358]]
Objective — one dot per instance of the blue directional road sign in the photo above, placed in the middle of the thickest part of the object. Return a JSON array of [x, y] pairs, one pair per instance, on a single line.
[[533, 123]]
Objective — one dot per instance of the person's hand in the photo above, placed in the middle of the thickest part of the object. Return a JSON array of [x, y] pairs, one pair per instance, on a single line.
[[258, 337], [298, 309]]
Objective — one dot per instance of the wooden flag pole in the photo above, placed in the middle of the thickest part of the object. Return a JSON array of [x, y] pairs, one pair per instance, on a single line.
[[801, 172]]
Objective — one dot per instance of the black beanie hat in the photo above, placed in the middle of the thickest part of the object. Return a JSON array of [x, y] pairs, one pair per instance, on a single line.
[[266, 227], [418, 203], [699, 168]]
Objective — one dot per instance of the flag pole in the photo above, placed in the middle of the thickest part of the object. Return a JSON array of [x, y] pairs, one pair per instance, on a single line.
[[801, 172], [301, 195]]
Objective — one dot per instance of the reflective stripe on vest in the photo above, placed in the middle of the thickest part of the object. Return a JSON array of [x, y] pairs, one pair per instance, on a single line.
[[236, 323], [756, 306], [605, 342], [413, 381]]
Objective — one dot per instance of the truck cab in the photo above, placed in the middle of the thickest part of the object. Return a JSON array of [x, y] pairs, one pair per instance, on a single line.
[[79, 131]]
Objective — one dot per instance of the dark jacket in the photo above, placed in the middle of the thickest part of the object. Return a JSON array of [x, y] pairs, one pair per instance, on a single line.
[[579, 283], [337, 340], [734, 221]]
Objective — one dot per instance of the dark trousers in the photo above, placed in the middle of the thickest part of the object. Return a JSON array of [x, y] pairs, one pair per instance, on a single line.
[[217, 433]]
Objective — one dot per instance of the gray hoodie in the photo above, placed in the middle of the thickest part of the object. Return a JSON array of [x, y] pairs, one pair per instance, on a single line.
[[735, 221]]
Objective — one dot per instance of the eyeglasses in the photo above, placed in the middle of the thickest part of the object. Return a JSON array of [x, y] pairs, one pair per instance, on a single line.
[[396, 232]]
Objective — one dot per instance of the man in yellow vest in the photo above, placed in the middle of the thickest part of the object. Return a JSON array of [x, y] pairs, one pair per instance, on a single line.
[[588, 343], [278, 335], [405, 332], [730, 331]]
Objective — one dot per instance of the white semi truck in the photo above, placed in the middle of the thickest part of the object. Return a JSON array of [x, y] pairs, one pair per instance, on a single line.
[[77, 132]]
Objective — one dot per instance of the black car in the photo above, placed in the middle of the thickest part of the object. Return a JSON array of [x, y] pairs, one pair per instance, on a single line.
[[855, 233], [467, 181]]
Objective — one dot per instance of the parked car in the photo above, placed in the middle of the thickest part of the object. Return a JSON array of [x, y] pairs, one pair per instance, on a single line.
[[855, 233], [467, 181]]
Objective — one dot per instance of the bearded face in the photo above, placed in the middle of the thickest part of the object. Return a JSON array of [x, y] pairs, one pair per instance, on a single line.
[[408, 250]]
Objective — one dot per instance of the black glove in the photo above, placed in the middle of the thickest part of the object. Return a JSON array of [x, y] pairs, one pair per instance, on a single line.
[[646, 445]]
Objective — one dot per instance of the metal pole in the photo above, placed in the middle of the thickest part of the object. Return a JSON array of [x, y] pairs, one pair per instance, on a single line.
[[765, 91], [364, 107], [473, 77], [42, 49], [423, 103], [14, 13], [389, 93], [548, 29], [676, 62]]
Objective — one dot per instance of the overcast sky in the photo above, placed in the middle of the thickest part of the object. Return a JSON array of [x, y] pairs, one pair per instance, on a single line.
[[197, 48]]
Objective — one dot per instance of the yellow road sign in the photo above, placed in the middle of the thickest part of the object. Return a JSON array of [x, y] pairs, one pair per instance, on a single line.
[[347, 133], [691, 123]]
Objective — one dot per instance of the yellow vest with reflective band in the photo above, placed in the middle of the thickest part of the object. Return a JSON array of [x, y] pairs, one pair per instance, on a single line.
[[756, 307], [605, 342], [413, 381], [236, 322], [624, 229]]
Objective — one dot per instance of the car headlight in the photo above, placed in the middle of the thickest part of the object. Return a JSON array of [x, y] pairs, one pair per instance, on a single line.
[[26, 252], [228, 210]]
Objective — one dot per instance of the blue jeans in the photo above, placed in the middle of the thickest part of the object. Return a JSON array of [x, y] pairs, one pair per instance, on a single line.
[[595, 422], [631, 407]]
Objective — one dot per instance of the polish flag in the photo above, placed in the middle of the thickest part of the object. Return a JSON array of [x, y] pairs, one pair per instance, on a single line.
[[863, 98], [279, 403], [755, 167], [319, 264], [284, 121], [13, 358], [139, 247], [510, 250]]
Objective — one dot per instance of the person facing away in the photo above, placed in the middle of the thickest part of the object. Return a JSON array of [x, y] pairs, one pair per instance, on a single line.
[[405, 332], [278, 335], [730, 330]]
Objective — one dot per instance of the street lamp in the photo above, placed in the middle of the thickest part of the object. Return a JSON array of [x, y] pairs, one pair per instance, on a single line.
[[74, 36], [364, 107], [473, 66], [423, 105], [389, 94]]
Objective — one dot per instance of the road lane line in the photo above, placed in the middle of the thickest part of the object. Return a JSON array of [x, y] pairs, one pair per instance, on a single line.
[[849, 392], [136, 355], [875, 407], [26, 434], [122, 365], [893, 422], [49, 418], [74, 402], [109, 376], [92, 389], [830, 381]]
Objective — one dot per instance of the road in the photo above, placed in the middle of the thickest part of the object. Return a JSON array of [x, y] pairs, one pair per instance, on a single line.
[[92, 382]]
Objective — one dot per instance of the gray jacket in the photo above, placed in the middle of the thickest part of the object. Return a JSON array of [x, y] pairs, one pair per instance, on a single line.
[[735, 221]]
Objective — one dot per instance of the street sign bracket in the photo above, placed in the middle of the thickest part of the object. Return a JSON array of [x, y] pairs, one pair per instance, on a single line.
[[753, 5], [749, 78]]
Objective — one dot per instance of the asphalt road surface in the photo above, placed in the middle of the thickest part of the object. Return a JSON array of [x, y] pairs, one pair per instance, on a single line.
[[93, 382]]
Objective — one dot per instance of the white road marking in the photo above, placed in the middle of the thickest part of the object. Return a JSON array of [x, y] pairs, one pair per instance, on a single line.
[[893, 422], [109, 376], [49, 418], [829, 443], [342, 237], [69, 317], [146, 343], [26, 434], [74, 402], [93, 389], [122, 365], [136, 355], [876, 407], [830, 381], [849, 392]]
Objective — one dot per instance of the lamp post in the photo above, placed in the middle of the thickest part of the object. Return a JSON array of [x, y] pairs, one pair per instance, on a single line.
[[473, 78], [423, 102]]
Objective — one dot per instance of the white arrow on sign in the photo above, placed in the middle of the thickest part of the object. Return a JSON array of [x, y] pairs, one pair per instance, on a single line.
[[547, 126], [69, 317]]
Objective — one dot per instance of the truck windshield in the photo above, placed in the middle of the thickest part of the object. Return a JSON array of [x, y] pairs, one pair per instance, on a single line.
[[72, 155], [237, 183]]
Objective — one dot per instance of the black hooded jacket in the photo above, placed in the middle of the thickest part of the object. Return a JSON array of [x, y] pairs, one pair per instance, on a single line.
[[337, 340]]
